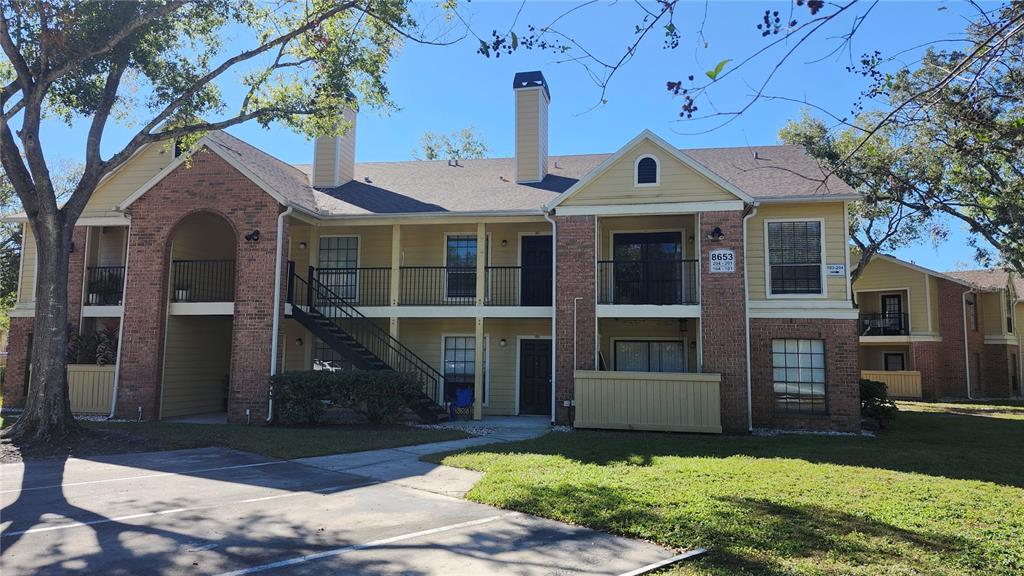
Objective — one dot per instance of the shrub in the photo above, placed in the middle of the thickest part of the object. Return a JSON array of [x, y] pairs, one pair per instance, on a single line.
[[382, 396], [875, 403]]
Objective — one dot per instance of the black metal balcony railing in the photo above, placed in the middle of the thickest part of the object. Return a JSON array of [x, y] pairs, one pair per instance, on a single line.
[[361, 286], [518, 286], [884, 324], [437, 286], [203, 281], [104, 285], [647, 282]]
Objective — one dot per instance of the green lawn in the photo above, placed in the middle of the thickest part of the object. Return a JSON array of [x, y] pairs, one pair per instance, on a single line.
[[941, 492]]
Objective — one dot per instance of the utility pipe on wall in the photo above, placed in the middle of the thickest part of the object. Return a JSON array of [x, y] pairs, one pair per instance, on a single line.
[[120, 325], [967, 355], [554, 311], [746, 321], [277, 310]]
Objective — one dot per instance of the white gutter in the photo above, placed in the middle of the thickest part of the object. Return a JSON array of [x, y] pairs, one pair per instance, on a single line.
[[120, 324], [554, 311], [746, 321], [277, 303], [967, 355]]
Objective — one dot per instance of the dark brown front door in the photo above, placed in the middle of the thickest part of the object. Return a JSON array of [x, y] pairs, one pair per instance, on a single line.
[[536, 271], [535, 377]]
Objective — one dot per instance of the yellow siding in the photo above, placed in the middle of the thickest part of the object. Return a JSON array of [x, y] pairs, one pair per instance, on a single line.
[[128, 179], [992, 313], [885, 276], [529, 115], [610, 329], [91, 388], [203, 236], [609, 226], [679, 182], [899, 384], [835, 243], [873, 357], [325, 153], [296, 357], [509, 255], [197, 358], [933, 304], [648, 401], [27, 283]]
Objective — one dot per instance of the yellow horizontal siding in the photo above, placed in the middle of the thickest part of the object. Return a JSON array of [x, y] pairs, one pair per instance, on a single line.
[[529, 115], [611, 329], [648, 401], [132, 175], [679, 182], [992, 313], [835, 243], [27, 282], [197, 357]]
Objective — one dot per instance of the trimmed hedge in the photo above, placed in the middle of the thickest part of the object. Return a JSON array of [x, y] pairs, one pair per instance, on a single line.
[[382, 396], [874, 402]]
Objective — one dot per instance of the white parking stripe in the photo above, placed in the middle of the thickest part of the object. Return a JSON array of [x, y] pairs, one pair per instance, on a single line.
[[186, 509], [356, 547], [196, 471], [666, 562]]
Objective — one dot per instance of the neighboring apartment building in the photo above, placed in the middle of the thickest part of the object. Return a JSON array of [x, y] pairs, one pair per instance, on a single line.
[[651, 288], [938, 335]]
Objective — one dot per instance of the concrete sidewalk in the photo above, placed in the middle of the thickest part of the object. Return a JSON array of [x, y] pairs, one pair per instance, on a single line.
[[402, 466]]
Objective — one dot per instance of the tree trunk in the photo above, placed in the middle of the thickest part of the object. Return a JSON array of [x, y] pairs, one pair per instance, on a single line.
[[47, 415]]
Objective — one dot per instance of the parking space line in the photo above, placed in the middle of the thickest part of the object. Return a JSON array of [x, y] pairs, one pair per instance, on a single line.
[[186, 509], [158, 475], [357, 547]]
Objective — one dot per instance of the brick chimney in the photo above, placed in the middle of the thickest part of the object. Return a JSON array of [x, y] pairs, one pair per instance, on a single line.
[[532, 99], [334, 157]]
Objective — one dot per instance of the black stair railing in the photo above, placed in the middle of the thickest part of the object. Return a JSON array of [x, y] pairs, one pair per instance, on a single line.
[[312, 296]]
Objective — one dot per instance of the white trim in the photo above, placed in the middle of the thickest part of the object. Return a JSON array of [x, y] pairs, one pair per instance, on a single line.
[[768, 266], [813, 304], [927, 301], [846, 242], [612, 340], [23, 310], [102, 311], [929, 271], [518, 382], [875, 340], [810, 199], [636, 172], [1007, 340], [820, 313], [21, 271], [444, 263], [201, 308], [672, 152], [457, 311], [652, 209], [83, 288], [648, 311]]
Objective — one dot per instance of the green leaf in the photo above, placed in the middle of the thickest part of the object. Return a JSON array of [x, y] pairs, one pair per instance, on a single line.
[[515, 41], [713, 74]]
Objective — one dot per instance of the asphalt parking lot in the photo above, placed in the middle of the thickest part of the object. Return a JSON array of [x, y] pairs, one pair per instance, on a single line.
[[217, 511]]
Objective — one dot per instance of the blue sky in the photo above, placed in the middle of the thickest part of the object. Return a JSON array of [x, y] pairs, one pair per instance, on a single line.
[[446, 88]]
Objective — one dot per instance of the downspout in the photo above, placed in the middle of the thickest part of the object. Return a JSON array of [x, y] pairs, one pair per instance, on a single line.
[[120, 325], [554, 309], [967, 355], [277, 311], [746, 322]]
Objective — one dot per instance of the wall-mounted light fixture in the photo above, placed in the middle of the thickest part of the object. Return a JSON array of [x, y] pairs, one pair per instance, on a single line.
[[716, 235], [302, 245], [298, 342], [502, 342], [504, 243], [253, 236]]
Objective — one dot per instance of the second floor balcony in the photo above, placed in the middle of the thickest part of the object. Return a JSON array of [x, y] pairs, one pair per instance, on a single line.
[[202, 281], [884, 324], [104, 285], [648, 282]]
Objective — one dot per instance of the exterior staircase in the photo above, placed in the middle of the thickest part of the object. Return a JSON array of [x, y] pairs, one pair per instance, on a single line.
[[360, 341]]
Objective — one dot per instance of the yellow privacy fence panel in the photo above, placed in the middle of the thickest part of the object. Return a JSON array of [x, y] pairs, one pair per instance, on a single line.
[[900, 384], [648, 401], [91, 388]]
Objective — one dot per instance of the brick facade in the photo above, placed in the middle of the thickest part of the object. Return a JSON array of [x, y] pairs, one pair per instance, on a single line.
[[575, 278], [76, 277], [211, 185], [17, 362], [842, 372], [723, 313]]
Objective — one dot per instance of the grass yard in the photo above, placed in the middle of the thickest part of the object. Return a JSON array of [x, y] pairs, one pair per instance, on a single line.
[[940, 493], [273, 441]]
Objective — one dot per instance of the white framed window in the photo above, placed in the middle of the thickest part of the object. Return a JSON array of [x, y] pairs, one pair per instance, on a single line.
[[795, 257], [650, 355], [798, 376], [338, 265], [460, 266], [647, 171], [458, 352]]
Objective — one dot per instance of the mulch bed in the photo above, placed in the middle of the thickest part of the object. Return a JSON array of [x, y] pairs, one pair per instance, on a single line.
[[89, 442]]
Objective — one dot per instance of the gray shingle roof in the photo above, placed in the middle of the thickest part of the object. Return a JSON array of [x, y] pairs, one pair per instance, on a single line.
[[488, 185], [989, 279]]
